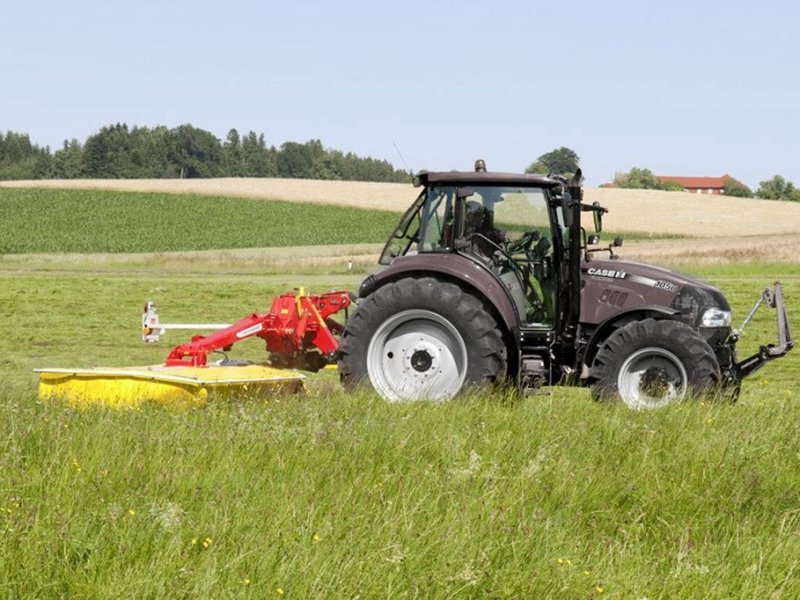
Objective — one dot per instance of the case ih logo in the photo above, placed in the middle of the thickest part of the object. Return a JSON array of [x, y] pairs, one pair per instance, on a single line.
[[607, 273]]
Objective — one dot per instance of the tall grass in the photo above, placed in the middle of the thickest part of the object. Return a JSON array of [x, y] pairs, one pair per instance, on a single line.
[[336, 495], [330, 495]]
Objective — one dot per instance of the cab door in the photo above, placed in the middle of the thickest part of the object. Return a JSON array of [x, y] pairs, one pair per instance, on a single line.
[[525, 216]]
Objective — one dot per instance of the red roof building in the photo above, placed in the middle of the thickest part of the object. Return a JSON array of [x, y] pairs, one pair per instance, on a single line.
[[699, 185]]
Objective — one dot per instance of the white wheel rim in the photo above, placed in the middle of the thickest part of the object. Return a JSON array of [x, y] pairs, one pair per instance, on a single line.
[[652, 378], [417, 355]]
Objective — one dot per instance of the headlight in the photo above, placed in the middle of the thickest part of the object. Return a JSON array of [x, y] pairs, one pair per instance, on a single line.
[[716, 317]]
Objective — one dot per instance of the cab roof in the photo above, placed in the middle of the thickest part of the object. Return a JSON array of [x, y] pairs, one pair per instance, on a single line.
[[484, 178]]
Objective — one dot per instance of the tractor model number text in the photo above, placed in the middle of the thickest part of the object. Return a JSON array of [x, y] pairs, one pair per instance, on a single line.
[[665, 285]]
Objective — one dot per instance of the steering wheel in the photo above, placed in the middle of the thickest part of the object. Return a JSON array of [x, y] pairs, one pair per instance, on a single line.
[[524, 243]]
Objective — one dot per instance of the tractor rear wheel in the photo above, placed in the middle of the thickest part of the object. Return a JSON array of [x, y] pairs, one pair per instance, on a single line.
[[420, 338], [652, 363]]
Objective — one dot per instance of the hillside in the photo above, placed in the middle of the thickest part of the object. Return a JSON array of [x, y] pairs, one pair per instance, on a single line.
[[629, 210]]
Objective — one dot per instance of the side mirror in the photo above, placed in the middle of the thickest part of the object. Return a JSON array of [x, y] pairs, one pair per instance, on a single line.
[[598, 217]]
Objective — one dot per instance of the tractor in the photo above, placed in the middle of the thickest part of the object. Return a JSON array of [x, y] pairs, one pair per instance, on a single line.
[[488, 278], [491, 278]]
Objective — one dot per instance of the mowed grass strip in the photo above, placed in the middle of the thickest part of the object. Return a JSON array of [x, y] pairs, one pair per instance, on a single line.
[[81, 221]]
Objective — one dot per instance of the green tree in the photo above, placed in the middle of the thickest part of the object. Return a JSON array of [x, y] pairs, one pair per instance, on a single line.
[[671, 186], [20, 159], [295, 160], [232, 155], [777, 188], [259, 160], [637, 178], [737, 189], [156, 146], [150, 153], [108, 153], [67, 161], [562, 161], [196, 152]]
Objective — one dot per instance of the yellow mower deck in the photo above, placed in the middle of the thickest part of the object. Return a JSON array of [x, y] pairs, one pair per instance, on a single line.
[[170, 386]]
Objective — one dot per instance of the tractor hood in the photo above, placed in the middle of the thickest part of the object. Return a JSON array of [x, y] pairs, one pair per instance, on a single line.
[[611, 287]]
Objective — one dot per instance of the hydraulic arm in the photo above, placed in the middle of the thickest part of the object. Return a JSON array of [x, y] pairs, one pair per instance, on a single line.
[[296, 326]]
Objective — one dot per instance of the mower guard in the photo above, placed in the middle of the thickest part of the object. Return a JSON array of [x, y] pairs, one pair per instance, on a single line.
[[175, 387], [774, 298]]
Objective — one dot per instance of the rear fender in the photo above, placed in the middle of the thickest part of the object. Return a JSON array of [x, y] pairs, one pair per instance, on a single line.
[[454, 267]]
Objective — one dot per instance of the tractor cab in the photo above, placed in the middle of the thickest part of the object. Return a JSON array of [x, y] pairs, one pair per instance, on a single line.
[[514, 226]]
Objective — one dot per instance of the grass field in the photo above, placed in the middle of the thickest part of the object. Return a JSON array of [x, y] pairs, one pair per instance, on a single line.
[[41, 221], [336, 495]]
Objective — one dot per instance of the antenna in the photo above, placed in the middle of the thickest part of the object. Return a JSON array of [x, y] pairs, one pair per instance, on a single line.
[[400, 154]]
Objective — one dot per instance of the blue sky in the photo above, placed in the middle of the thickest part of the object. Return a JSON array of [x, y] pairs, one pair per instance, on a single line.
[[681, 88]]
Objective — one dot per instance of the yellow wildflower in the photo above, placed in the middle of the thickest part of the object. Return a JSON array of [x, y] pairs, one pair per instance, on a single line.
[[279, 591]]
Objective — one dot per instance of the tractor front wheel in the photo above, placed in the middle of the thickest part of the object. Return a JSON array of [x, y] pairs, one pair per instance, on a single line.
[[419, 338], [652, 363]]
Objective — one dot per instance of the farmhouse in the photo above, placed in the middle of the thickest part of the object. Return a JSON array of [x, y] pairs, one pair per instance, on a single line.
[[699, 185]]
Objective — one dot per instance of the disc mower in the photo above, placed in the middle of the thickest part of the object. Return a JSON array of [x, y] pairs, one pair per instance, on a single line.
[[298, 331]]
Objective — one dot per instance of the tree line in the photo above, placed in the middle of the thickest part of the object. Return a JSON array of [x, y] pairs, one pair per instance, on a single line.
[[122, 152], [565, 161], [776, 188]]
